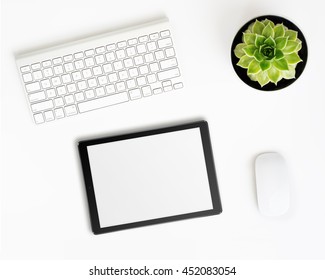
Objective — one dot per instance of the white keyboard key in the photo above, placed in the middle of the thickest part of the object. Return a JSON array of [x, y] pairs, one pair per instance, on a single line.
[[97, 70], [159, 55], [143, 39], [78, 55], [135, 93], [89, 93], [50, 93], [49, 116], [143, 69], [152, 46], [148, 57], [146, 91], [132, 42], [37, 75], [68, 67], [111, 47], [89, 61], [79, 64], [165, 33], [178, 85], [120, 86], [25, 68], [154, 67], [61, 90], [168, 88], [154, 36], [131, 51], [58, 102], [141, 48], [69, 99], [58, 69], [67, 57], [133, 72], [71, 88], [86, 73], [46, 63], [102, 80], [41, 106], [89, 52], [27, 77], [36, 66], [70, 110], [82, 85], [123, 75], [141, 81], [79, 96], [107, 68], [37, 96], [168, 74], [45, 83], [92, 82], [157, 90], [59, 114], [38, 118], [103, 102], [131, 83], [33, 87], [120, 54], [151, 78], [128, 62], [56, 81], [66, 78], [100, 91], [110, 89], [100, 49], [118, 65], [168, 63], [99, 59], [57, 60], [166, 83], [48, 72], [170, 52], [164, 43], [112, 77], [110, 56], [138, 60], [76, 76], [121, 44]]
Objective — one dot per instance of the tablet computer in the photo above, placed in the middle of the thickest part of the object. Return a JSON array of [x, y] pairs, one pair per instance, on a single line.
[[150, 177]]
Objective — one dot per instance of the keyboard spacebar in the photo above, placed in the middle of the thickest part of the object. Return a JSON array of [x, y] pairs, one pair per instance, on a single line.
[[103, 102]]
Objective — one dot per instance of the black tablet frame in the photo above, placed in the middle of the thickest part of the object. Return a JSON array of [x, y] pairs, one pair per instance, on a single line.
[[209, 161]]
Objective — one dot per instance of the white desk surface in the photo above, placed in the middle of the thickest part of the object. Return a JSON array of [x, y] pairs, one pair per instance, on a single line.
[[44, 207]]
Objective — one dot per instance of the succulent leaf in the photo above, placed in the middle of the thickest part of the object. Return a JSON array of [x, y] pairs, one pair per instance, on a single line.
[[249, 50], [254, 67], [244, 61], [262, 78], [293, 58], [258, 27], [267, 21], [278, 54], [281, 42], [259, 40], [281, 64], [258, 56], [289, 74], [291, 47], [270, 42], [239, 50], [274, 75], [249, 38], [293, 35], [268, 31], [265, 65], [279, 31]]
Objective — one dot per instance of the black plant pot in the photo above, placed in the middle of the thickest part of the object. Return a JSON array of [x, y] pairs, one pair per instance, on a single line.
[[242, 73]]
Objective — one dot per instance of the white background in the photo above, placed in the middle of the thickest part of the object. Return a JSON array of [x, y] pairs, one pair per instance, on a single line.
[[44, 210]]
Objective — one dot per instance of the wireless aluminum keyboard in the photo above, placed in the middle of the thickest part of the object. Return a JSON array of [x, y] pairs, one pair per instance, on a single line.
[[100, 71]]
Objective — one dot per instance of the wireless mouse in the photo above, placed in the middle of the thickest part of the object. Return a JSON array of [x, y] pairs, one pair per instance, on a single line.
[[272, 184]]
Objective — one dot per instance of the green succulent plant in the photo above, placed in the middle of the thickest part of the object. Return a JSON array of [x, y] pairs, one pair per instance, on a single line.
[[269, 52]]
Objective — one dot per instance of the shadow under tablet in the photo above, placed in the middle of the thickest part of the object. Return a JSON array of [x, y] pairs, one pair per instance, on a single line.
[[150, 177]]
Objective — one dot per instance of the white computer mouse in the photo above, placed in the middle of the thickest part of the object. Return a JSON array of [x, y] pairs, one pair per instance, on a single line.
[[272, 184]]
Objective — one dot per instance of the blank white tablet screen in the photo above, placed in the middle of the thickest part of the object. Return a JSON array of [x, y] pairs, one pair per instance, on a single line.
[[149, 177]]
